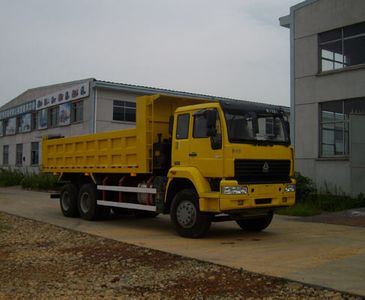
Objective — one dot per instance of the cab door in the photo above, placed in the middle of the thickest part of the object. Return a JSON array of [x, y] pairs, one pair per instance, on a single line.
[[181, 140], [204, 153]]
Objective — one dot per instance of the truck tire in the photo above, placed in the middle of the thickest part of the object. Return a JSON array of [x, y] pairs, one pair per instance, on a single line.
[[256, 224], [87, 202], [68, 201], [186, 216]]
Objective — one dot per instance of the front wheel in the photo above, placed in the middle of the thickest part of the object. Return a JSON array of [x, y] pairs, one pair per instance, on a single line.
[[256, 224], [186, 216]]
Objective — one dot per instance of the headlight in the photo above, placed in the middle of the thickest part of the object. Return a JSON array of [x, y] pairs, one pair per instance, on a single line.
[[235, 190], [289, 188]]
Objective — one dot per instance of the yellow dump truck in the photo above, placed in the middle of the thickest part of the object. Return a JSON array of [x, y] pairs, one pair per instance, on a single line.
[[197, 160]]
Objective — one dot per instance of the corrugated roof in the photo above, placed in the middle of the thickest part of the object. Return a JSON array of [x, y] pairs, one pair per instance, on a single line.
[[138, 89], [152, 90]]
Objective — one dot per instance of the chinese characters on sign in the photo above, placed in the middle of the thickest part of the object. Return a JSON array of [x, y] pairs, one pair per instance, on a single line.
[[19, 118], [73, 93], [18, 110]]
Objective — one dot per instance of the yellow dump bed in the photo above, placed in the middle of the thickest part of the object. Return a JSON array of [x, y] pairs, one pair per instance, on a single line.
[[122, 151]]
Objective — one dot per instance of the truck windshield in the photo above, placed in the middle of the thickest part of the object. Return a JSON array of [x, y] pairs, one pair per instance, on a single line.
[[256, 128]]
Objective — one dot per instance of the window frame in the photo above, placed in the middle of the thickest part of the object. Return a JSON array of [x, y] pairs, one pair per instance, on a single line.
[[19, 162], [77, 109], [34, 154], [6, 161], [344, 122], [198, 115], [177, 126], [53, 112], [342, 39], [123, 105]]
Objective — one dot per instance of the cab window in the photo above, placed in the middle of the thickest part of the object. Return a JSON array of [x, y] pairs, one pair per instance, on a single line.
[[200, 126], [182, 130]]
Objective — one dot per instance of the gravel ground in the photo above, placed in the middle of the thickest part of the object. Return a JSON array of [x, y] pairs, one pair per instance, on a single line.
[[43, 261]]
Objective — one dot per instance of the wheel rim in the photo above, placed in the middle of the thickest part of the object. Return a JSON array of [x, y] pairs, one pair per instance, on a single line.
[[186, 214], [65, 201], [85, 202]]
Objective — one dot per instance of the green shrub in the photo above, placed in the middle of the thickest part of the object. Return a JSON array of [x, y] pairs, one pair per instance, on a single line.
[[306, 189], [300, 209], [330, 202], [10, 177], [39, 181], [309, 202]]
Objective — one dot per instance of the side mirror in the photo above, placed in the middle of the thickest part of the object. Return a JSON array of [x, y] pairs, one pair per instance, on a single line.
[[211, 117]]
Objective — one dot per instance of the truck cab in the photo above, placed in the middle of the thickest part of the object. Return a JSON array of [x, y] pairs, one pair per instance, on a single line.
[[239, 161]]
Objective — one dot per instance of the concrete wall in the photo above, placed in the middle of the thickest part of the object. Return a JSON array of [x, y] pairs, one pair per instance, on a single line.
[[104, 115], [312, 88], [357, 155]]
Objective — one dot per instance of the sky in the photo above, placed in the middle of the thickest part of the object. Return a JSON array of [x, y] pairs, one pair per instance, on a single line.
[[232, 48]]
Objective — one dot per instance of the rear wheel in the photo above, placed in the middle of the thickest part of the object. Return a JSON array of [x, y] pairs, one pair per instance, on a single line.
[[256, 224], [86, 203], [186, 216], [68, 201]]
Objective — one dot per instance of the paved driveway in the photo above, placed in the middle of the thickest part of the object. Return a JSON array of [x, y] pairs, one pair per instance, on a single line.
[[321, 254]]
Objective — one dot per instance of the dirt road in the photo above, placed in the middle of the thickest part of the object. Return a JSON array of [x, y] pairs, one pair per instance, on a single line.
[[42, 261], [322, 254]]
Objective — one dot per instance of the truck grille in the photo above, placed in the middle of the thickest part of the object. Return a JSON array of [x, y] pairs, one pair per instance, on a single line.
[[252, 171]]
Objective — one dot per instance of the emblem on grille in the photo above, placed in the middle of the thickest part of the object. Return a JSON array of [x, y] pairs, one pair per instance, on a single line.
[[265, 167]]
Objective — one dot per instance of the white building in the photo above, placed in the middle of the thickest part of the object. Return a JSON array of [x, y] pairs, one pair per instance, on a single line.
[[327, 41]]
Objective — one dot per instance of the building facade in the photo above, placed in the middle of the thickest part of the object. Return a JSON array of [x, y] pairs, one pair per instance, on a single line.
[[68, 109], [327, 40]]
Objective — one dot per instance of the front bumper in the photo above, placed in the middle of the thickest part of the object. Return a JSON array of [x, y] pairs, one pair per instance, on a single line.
[[258, 196]]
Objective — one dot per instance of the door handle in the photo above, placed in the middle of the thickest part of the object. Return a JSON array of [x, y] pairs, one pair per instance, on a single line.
[[193, 154]]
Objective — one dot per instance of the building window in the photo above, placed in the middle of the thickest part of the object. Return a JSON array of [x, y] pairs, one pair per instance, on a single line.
[[77, 111], [42, 119], [1, 128], [19, 154], [34, 155], [334, 125], [342, 47], [182, 130], [34, 121], [124, 111], [5, 155], [53, 117]]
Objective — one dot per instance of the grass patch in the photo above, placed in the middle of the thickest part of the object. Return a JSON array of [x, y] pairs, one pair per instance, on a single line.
[[300, 209], [28, 180], [309, 202], [10, 177], [39, 181]]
